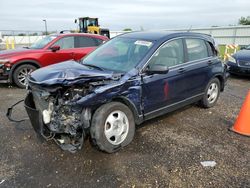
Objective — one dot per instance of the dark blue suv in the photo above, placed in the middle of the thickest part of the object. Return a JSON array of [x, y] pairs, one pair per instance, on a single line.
[[126, 81]]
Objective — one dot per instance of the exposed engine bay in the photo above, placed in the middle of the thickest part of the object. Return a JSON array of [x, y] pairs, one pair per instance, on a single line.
[[62, 99], [62, 120]]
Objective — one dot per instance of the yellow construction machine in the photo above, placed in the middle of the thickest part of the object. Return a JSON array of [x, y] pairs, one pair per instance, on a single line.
[[91, 25]]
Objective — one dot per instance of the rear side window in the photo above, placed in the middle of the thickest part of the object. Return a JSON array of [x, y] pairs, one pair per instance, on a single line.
[[82, 42], [65, 43], [196, 49]]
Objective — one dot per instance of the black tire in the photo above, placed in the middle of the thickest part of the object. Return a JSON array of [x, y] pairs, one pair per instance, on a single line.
[[18, 73], [205, 103], [98, 138]]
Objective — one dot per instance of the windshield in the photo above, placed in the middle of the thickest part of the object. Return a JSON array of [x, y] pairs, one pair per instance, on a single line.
[[43, 42], [119, 54]]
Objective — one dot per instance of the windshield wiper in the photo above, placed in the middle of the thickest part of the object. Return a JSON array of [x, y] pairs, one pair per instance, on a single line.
[[93, 66]]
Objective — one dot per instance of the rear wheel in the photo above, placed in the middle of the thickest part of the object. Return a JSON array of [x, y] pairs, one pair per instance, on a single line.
[[112, 127], [20, 74], [211, 94]]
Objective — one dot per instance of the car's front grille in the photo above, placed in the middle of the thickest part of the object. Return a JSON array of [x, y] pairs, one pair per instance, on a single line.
[[244, 63]]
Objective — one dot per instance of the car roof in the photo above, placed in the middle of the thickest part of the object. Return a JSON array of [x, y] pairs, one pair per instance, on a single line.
[[146, 35], [163, 35], [80, 34]]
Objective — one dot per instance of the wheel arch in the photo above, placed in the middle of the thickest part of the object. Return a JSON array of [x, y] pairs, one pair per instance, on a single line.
[[138, 118], [221, 79], [23, 62]]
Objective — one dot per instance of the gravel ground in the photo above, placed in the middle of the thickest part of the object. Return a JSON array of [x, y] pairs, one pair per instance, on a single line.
[[166, 152]]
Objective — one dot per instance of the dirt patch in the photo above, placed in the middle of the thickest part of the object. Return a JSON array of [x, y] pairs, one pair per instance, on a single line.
[[166, 152]]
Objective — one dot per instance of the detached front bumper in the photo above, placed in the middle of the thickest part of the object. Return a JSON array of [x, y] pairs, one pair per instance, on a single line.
[[64, 139], [234, 68], [35, 117]]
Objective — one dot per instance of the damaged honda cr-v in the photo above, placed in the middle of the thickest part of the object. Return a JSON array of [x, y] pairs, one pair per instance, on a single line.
[[130, 79]]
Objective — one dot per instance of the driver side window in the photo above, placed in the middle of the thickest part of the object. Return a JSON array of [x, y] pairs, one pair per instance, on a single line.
[[65, 43], [171, 54]]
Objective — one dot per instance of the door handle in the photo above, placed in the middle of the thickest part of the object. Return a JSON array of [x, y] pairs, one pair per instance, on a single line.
[[210, 62], [180, 70]]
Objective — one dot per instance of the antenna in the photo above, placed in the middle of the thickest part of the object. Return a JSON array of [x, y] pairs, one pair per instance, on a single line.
[[189, 28]]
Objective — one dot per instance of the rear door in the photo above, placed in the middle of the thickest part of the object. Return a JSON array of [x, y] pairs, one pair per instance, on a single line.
[[198, 66]]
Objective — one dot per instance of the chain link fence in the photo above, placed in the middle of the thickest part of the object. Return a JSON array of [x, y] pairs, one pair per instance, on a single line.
[[11, 39], [224, 35]]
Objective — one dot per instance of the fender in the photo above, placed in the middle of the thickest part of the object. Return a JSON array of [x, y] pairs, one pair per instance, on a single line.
[[26, 61], [138, 117]]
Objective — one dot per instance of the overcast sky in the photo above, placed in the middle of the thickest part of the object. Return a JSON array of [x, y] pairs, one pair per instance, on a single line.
[[117, 15]]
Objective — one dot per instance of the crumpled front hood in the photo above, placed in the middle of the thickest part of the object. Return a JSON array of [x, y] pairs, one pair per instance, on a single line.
[[242, 55], [67, 73]]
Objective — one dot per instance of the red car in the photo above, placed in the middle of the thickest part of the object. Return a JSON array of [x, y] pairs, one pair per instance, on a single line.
[[15, 65]]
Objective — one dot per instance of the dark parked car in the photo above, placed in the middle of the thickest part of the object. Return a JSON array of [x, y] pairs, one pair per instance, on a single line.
[[239, 63], [128, 80], [15, 65]]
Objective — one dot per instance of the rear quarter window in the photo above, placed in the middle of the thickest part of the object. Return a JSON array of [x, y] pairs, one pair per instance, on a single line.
[[211, 49]]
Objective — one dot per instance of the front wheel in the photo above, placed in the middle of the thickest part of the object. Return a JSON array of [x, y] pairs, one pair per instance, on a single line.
[[211, 94], [112, 127], [20, 74]]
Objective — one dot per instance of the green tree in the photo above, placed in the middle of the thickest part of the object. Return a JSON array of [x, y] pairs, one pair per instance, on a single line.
[[21, 34], [127, 29], [34, 34], [244, 20]]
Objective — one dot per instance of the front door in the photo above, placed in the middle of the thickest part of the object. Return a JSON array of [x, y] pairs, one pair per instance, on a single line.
[[66, 52], [161, 91]]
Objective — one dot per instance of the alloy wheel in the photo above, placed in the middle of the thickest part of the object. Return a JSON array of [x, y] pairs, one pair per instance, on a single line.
[[212, 93], [23, 74], [116, 127]]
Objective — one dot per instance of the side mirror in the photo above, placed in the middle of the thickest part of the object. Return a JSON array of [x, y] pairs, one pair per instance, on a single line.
[[55, 48], [157, 69]]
